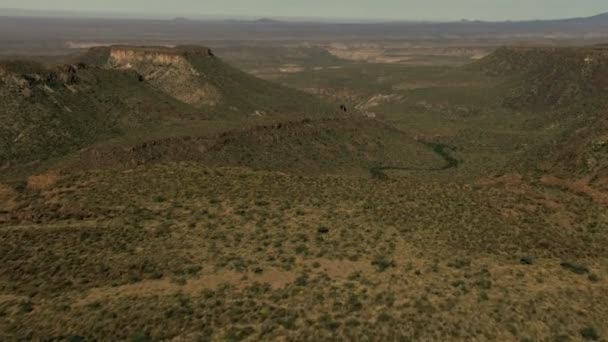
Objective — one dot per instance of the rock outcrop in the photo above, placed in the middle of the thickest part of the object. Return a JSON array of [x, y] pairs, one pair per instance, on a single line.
[[168, 69]]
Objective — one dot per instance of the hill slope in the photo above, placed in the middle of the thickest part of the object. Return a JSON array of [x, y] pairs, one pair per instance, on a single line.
[[344, 146], [114, 91], [546, 77], [564, 90], [194, 75]]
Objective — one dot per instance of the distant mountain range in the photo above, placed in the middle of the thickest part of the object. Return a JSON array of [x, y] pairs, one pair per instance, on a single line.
[[45, 33], [603, 17]]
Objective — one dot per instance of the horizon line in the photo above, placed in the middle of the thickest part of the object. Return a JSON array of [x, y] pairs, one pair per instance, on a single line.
[[135, 15]]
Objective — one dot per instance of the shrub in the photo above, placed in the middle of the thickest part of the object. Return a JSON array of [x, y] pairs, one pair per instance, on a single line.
[[575, 268], [382, 264], [378, 173], [590, 334]]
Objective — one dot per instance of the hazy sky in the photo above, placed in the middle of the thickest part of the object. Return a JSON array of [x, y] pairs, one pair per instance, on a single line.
[[361, 9]]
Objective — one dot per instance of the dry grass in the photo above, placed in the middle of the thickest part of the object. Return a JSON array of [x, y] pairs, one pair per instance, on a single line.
[[580, 187], [183, 251], [7, 198], [42, 182]]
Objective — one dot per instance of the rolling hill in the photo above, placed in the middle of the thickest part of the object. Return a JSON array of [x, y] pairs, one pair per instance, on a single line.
[[123, 106], [121, 91], [340, 146]]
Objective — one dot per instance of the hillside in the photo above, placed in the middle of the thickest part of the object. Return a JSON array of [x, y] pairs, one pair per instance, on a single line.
[[120, 91], [562, 91], [125, 106], [48, 113], [194, 75], [340, 146], [551, 77]]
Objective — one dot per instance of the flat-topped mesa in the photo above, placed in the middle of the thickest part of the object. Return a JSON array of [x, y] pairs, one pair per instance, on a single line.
[[169, 69], [184, 50], [181, 50], [156, 55]]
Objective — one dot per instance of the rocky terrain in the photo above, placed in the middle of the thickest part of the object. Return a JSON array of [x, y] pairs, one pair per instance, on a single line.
[[169, 71]]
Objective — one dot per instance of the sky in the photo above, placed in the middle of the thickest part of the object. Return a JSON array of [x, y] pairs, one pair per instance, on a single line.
[[338, 9]]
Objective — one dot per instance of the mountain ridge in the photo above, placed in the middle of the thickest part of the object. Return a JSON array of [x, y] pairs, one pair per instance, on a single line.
[[117, 91], [563, 88]]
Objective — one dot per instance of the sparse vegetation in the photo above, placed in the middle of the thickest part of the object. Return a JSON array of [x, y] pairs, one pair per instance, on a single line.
[[427, 222]]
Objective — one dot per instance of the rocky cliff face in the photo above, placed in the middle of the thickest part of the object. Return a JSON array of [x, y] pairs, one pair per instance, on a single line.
[[48, 112], [169, 70]]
